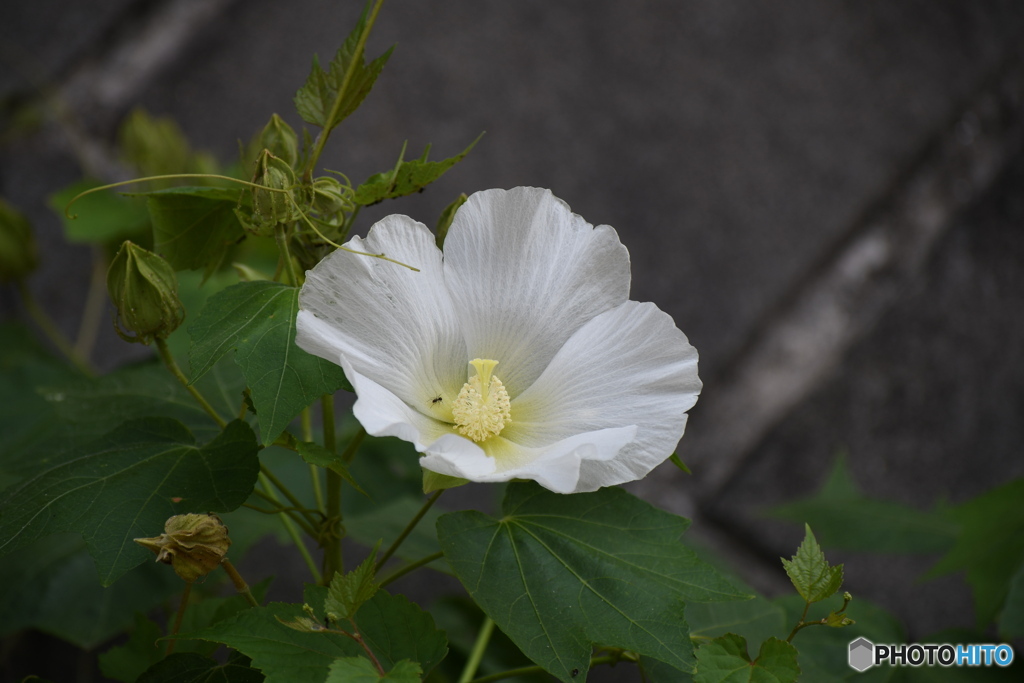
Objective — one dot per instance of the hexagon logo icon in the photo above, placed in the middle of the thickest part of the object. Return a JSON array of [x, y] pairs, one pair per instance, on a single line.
[[862, 654]]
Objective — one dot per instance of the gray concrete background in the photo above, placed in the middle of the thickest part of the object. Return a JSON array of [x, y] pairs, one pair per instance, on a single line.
[[826, 196]]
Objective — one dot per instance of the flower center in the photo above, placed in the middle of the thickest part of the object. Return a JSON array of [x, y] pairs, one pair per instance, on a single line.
[[482, 408]]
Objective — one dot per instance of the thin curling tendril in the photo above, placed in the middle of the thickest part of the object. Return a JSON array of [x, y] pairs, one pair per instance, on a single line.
[[173, 176]]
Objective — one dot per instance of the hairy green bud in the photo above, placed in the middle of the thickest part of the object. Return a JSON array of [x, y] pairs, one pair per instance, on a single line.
[[194, 545], [330, 197], [18, 254], [280, 139], [271, 206], [145, 290]]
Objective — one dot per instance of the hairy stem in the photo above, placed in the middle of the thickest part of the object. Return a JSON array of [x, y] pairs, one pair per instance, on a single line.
[[165, 355], [280, 486]]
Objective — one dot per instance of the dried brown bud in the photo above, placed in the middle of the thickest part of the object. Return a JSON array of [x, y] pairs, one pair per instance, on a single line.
[[192, 544]]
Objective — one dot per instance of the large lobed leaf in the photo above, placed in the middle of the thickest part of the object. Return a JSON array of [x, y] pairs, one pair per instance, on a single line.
[[561, 574], [725, 660], [256, 320], [990, 546], [843, 517], [394, 628], [315, 100], [125, 485]]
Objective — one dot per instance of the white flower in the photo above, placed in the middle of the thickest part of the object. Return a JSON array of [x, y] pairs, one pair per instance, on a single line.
[[593, 388]]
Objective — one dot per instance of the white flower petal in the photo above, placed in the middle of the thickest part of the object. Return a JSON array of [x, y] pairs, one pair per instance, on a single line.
[[395, 326], [556, 467], [525, 273], [381, 413], [628, 366]]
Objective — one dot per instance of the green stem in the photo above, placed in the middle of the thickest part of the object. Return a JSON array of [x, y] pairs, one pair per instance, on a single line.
[[350, 219], [357, 61], [165, 354], [528, 670], [293, 533], [408, 529], [314, 471], [800, 624], [334, 560], [477, 654], [353, 447], [50, 329], [293, 512], [178, 617], [240, 585], [92, 311], [402, 571], [269, 475], [281, 237]]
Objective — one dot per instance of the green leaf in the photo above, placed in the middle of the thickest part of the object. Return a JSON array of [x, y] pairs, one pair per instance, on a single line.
[[315, 100], [844, 518], [810, 572], [361, 670], [126, 662], [189, 667], [678, 462], [560, 574], [756, 620], [348, 592], [256, 320], [1011, 621], [444, 221], [407, 176], [990, 546], [100, 217], [393, 628], [194, 227], [725, 660], [40, 580], [126, 484], [435, 481], [315, 454]]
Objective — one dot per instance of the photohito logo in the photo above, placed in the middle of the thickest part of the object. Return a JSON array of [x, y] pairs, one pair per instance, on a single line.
[[864, 654]]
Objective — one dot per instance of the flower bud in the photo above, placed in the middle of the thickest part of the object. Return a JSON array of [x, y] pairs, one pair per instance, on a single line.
[[280, 139], [18, 255], [329, 197], [271, 206], [194, 545], [145, 290]]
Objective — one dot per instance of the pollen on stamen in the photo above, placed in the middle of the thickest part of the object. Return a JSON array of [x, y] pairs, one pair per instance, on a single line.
[[482, 408]]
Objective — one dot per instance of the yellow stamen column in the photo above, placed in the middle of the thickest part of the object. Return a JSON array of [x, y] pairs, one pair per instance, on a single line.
[[483, 407]]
